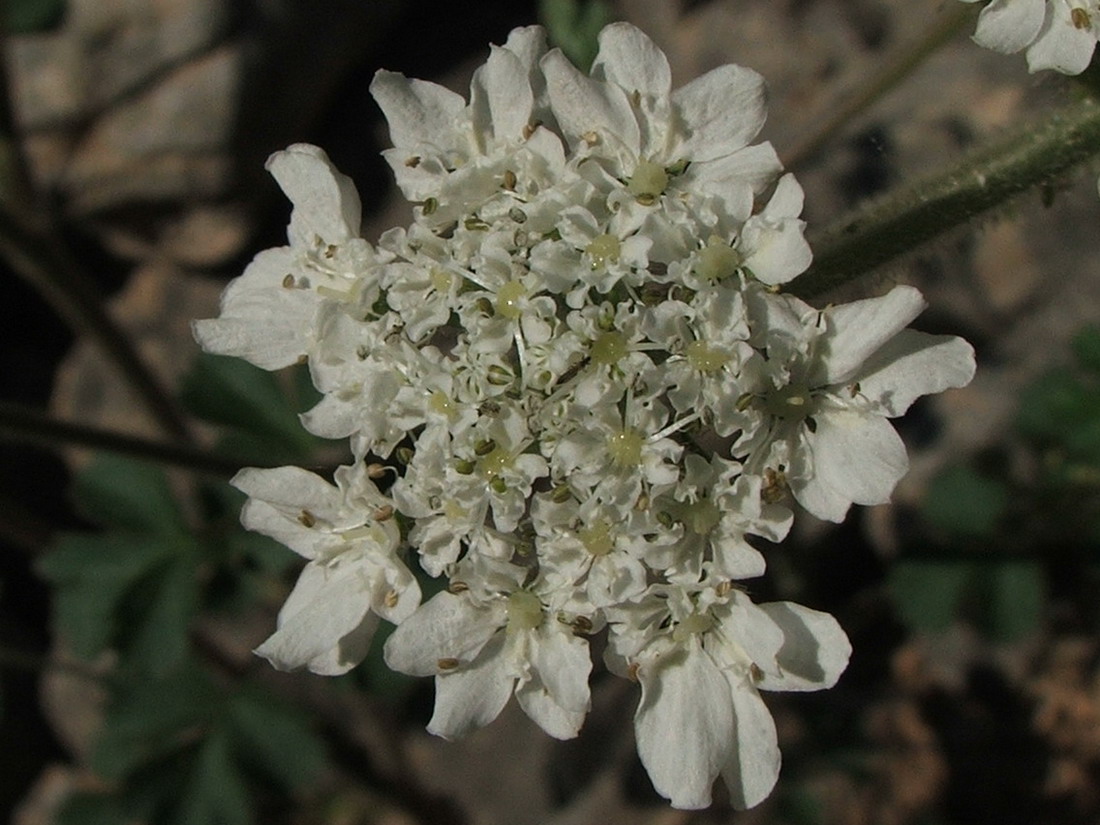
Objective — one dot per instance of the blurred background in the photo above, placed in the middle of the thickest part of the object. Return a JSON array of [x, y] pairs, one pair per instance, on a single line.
[[133, 140]]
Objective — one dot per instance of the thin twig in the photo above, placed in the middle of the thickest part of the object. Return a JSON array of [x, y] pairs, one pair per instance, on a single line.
[[879, 82], [11, 659], [25, 424], [32, 245]]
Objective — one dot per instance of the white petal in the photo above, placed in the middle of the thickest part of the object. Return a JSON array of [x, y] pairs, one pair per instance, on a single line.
[[815, 648], [752, 769], [1061, 45], [394, 593], [855, 456], [750, 629], [582, 105], [278, 497], [473, 696], [778, 254], [325, 625], [538, 703], [736, 559], [261, 321], [857, 329], [1009, 25], [821, 500], [913, 364], [326, 204], [563, 664], [291, 487], [417, 111], [735, 178], [629, 58], [334, 416], [501, 96], [684, 726], [786, 201], [280, 342], [447, 626], [720, 112], [528, 43]]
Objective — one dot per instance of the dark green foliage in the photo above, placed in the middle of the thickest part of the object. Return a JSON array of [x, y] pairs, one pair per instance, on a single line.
[[573, 25], [928, 593], [133, 586], [29, 16], [963, 502], [274, 740], [1003, 598], [182, 750], [999, 531], [259, 413], [178, 744]]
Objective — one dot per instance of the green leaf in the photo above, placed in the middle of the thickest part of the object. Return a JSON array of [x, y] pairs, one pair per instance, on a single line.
[[152, 718], [1086, 348], [264, 553], [161, 641], [215, 792], [381, 680], [1056, 403], [1014, 598], [134, 495], [276, 740], [964, 503], [234, 393], [91, 809], [92, 575], [928, 593], [573, 25], [799, 805], [29, 16]]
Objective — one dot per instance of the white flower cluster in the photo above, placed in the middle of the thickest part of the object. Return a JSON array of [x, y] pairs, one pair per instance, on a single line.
[[579, 383], [1057, 34]]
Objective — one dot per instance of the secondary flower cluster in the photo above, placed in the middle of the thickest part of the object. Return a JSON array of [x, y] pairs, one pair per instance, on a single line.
[[1057, 34], [575, 390]]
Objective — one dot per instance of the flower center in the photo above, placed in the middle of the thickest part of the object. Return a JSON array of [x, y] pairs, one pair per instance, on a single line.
[[791, 403], [509, 298], [597, 538], [524, 611], [625, 448], [494, 463], [441, 403], [694, 623], [441, 279], [648, 182], [717, 260], [603, 249], [609, 348], [705, 358], [700, 516]]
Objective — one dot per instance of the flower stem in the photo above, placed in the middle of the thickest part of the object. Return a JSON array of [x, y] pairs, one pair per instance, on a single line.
[[13, 659], [899, 222], [880, 81], [24, 424], [31, 244], [42, 259]]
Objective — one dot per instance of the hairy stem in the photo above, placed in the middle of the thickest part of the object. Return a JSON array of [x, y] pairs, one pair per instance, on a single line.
[[901, 221]]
